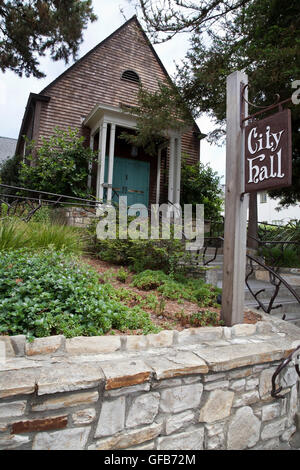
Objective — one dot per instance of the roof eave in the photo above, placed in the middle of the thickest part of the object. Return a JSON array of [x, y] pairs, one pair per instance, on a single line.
[[33, 97]]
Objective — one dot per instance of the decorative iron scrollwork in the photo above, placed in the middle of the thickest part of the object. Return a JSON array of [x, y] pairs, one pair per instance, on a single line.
[[295, 357], [275, 280]]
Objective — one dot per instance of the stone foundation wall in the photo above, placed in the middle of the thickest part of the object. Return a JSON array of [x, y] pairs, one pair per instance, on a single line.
[[202, 388], [75, 216]]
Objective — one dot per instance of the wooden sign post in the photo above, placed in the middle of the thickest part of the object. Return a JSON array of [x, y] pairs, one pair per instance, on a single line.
[[258, 157], [236, 205]]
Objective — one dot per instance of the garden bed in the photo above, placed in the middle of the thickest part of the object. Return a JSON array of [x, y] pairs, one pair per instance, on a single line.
[[176, 314], [48, 293]]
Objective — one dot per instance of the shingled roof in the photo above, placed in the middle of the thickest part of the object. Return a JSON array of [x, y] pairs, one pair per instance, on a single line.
[[7, 148]]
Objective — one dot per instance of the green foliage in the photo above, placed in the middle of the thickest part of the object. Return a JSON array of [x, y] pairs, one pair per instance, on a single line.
[[31, 28], [122, 275], [129, 297], [156, 113], [44, 214], [166, 255], [291, 232], [61, 237], [177, 287], [201, 185], [15, 234], [281, 255], [165, 19], [151, 301], [286, 256], [260, 37], [48, 293], [205, 318], [149, 280], [60, 165], [202, 318], [9, 171], [288, 233]]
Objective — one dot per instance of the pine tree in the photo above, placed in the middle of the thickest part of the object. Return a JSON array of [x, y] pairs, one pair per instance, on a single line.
[[30, 28], [260, 37]]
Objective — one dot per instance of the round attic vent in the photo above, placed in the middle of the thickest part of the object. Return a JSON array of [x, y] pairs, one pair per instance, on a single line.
[[130, 76]]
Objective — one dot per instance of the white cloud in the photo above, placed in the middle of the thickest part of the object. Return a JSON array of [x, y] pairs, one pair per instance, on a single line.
[[3, 93], [212, 154]]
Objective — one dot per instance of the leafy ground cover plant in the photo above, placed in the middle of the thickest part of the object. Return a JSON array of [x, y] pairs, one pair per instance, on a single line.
[[177, 287], [204, 317], [47, 292], [122, 275]]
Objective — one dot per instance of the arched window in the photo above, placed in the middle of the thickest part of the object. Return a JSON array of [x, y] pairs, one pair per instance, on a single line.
[[130, 76]]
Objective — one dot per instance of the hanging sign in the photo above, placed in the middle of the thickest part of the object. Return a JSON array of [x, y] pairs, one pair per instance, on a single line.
[[268, 153]]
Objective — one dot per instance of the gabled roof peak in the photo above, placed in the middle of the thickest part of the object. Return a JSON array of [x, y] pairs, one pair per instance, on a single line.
[[124, 25]]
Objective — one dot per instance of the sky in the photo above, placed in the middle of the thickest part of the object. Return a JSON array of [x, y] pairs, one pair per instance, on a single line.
[[14, 91]]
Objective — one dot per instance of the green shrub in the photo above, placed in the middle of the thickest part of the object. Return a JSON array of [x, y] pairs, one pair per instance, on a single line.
[[288, 233], [9, 172], [122, 275], [201, 185], [149, 280], [61, 165], [44, 215], [205, 318], [281, 255], [140, 255], [48, 293], [287, 256]]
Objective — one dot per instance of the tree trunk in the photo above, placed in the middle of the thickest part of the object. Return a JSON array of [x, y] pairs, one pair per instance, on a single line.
[[252, 222]]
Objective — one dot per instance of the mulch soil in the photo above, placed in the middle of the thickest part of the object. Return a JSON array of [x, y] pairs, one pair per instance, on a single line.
[[171, 315]]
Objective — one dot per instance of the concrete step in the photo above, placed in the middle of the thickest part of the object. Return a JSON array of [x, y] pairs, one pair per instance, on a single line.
[[292, 317], [212, 250], [218, 259], [287, 306], [269, 290], [216, 262]]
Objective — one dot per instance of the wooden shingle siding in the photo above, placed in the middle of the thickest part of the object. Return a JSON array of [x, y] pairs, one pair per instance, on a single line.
[[96, 79]]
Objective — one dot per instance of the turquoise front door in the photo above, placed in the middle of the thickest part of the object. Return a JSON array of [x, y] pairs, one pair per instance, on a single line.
[[131, 179]]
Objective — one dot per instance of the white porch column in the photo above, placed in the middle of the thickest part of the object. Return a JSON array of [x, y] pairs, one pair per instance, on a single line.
[[101, 160], [171, 170], [158, 176], [111, 161], [177, 171], [90, 164]]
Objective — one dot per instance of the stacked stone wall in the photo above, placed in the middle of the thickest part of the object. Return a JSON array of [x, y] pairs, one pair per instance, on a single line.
[[75, 216], [203, 388]]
